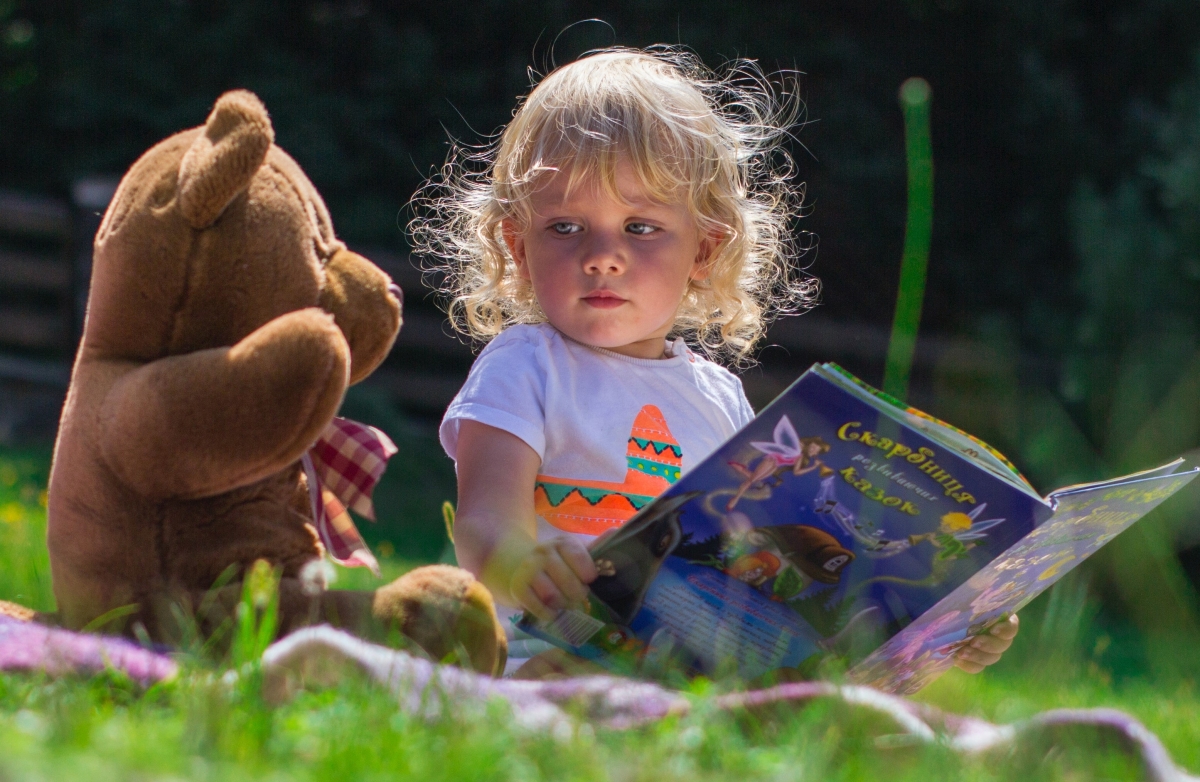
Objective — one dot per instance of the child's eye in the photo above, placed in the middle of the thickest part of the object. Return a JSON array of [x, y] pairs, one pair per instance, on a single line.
[[565, 229], [641, 229]]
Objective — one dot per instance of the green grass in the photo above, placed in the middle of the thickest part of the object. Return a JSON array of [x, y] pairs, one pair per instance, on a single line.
[[204, 727], [24, 561]]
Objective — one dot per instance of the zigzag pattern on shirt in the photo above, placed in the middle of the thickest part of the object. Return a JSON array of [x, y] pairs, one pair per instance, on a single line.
[[654, 460]]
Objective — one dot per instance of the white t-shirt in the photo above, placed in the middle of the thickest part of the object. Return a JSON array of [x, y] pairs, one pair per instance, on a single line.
[[612, 431]]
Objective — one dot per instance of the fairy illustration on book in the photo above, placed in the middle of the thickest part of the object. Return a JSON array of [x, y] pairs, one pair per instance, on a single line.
[[787, 453], [957, 532]]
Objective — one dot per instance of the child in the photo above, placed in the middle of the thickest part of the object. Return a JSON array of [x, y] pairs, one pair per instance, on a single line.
[[634, 199]]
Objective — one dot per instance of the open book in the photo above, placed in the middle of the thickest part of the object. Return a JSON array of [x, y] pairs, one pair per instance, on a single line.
[[840, 522]]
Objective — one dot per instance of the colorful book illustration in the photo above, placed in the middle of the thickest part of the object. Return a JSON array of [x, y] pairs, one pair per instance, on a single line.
[[840, 522]]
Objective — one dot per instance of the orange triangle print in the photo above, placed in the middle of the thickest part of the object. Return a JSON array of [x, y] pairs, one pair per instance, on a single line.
[[654, 461]]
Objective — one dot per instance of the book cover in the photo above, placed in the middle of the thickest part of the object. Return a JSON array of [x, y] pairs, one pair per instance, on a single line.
[[838, 522]]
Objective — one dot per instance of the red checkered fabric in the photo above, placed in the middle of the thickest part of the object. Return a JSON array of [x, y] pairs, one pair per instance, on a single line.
[[342, 470]]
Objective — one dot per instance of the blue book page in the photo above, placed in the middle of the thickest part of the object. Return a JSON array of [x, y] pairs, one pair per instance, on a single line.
[[1084, 519], [821, 524]]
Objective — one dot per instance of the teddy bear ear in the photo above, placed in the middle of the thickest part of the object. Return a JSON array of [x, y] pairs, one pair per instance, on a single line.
[[219, 164]]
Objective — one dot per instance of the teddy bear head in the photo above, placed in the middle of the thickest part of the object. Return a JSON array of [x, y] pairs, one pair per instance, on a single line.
[[213, 233]]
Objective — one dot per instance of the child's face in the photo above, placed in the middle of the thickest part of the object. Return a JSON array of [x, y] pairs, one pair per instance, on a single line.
[[609, 273]]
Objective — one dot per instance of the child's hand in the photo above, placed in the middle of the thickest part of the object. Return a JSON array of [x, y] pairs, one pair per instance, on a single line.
[[553, 576], [986, 649]]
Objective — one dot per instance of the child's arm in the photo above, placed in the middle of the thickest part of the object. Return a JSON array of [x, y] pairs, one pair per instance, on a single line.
[[985, 649], [495, 529]]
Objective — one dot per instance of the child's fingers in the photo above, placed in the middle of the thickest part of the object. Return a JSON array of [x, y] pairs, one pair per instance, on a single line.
[[579, 559], [970, 654], [990, 644], [565, 578], [547, 592], [546, 600], [967, 665], [527, 597], [986, 649], [1007, 629]]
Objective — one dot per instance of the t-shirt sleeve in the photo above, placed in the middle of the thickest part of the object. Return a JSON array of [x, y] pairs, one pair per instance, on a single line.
[[744, 412], [505, 389]]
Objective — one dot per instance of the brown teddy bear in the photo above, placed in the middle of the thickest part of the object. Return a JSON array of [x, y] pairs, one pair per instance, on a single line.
[[225, 322]]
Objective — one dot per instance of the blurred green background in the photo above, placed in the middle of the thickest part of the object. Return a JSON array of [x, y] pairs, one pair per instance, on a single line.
[[1060, 322]]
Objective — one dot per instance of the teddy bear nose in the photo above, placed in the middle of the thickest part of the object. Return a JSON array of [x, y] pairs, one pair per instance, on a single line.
[[394, 289]]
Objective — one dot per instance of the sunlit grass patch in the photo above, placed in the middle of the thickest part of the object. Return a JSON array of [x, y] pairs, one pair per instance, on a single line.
[[202, 727], [24, 562], [210, 724]]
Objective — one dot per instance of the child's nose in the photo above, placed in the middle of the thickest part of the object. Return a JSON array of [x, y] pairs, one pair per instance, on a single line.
[[604, 257]]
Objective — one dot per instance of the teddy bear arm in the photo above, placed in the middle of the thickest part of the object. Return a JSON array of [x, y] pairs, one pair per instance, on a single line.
[[441, 610], [203, 423], [365, 305]]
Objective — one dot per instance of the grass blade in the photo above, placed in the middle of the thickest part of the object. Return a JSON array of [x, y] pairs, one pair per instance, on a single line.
[[918, 232]]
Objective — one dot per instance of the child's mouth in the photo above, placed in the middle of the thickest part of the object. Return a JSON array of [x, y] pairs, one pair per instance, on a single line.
[[604, 300]]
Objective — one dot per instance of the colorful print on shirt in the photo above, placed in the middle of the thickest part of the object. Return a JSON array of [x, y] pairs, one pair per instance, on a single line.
[[654, 461]]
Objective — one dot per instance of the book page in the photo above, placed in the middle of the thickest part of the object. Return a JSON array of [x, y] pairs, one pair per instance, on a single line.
[[1085, 519], [1166, 469]]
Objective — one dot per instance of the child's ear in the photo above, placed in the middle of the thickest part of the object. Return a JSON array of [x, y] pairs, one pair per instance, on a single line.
[[708, 248], [515, 240]]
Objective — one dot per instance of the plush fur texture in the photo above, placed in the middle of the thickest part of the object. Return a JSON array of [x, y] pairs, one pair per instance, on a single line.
[[224, 324]]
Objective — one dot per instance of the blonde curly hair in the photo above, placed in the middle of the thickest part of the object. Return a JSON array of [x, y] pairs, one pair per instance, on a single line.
[[715, 142]]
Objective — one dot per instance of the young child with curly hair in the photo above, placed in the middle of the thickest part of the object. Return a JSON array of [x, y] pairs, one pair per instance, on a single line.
[[635, 203]]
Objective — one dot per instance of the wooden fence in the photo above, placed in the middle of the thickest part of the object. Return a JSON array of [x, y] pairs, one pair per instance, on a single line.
[[36, 274], [45, 269]]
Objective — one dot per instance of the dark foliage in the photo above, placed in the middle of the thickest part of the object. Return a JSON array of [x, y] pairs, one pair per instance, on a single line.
[[1029, 97]]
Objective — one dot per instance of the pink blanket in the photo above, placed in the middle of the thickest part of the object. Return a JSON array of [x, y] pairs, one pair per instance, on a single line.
[[321, 655], [25, 646]]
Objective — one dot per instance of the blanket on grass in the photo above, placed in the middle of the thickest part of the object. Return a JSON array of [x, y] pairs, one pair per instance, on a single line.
[[27, 646], [322, 655]]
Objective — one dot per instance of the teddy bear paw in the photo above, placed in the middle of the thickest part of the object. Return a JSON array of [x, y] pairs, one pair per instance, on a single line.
[[448, 613]]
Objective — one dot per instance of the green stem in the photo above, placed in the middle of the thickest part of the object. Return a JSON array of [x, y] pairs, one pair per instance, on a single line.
[[914, 101]]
